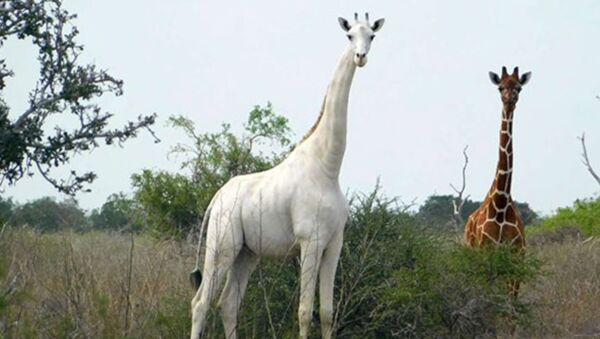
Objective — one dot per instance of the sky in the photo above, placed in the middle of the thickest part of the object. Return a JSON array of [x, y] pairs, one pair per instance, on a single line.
[[422, 97]]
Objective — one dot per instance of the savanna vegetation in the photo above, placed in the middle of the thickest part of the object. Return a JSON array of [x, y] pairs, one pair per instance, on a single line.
[[121, 270], [395, 279]]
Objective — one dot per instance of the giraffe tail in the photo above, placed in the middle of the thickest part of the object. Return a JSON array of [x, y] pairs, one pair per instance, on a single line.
[[195, 275]]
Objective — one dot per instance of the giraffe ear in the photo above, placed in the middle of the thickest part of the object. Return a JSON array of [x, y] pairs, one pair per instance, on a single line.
[[494, 78], [344, 24], [377, 24], [525, 78]]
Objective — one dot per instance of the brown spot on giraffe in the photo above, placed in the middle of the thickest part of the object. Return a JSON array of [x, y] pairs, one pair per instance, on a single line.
[[497, 220], [500, 200]]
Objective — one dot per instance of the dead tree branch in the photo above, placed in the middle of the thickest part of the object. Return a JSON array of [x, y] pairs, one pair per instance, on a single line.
[[459, 201], [586, 160]]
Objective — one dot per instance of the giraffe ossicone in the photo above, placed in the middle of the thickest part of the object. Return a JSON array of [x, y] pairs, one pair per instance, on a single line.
[[294, 208]]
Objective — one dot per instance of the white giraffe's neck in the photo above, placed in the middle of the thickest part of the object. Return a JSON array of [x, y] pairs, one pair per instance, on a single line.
[[327, 143]]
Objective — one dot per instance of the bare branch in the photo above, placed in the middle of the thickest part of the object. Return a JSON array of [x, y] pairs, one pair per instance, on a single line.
[[585, 159], [459, 201]]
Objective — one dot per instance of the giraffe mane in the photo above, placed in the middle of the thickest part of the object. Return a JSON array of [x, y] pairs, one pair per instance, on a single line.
[[316, 124]]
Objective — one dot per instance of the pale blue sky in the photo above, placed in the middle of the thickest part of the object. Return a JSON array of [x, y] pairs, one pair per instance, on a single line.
[[423, 96]]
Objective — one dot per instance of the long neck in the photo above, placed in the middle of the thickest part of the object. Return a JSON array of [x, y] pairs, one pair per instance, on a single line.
[[504, 169], [329, 135]]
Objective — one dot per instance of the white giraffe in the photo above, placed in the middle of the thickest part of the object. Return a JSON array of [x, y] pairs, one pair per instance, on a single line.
[[295, 208]]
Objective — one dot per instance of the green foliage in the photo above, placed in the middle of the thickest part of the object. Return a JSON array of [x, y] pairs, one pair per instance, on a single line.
[[263, 124], [173, 320], [583, 215], [437, 211], [172, 203], [380, 238], [529, 216], [65, 87], [48, 215], [214, 158], [270, 305], [117, 213], [6, 210], [453, 291], [395, 279]]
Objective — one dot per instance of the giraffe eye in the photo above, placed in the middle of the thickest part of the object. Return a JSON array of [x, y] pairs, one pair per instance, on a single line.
[[349, 37], [501, 89], [372, 37]]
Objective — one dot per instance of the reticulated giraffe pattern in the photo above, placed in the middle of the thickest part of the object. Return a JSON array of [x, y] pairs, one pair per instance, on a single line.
[[498, 220]]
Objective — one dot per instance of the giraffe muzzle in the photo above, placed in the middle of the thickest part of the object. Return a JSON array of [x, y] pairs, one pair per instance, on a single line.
[[360, 59]]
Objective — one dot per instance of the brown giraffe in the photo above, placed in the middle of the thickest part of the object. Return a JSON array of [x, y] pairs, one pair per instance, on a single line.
[[497, 220]]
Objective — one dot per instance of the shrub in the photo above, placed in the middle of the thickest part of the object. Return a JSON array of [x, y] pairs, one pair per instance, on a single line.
[[395, 279], [453, 291], [584, 215], [172, 204]]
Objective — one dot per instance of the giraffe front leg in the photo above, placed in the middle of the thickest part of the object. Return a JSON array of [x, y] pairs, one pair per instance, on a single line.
[[326, 283], [310, 260]]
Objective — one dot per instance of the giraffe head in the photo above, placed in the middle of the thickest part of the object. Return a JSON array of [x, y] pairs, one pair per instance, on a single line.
[[510, 85], [360, 34]]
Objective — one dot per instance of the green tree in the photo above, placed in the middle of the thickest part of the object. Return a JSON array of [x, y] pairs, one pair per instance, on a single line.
[[169, 202], [175, 202], [66, 88], [529, 216], [437, 211], [583, 215], [214, 158], [117, 213], [46, 214], [6, 210]]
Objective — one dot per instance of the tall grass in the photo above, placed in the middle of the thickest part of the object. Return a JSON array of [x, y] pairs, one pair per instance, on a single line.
[[77, 285], [395, 279], [567, 300]]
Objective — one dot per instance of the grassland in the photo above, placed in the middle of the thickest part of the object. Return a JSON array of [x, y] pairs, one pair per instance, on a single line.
[[100, 285]]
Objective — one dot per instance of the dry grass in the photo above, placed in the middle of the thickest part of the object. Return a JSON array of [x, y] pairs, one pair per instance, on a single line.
[[70, 285], [568, 298], [78, 286]]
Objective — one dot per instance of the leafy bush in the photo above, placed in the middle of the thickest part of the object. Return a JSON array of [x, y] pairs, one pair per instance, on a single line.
[[173, 203], [395, 279], [169, 203], [6, 209], [584, 215], [117, 213], [400, 279], [453, 291]]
